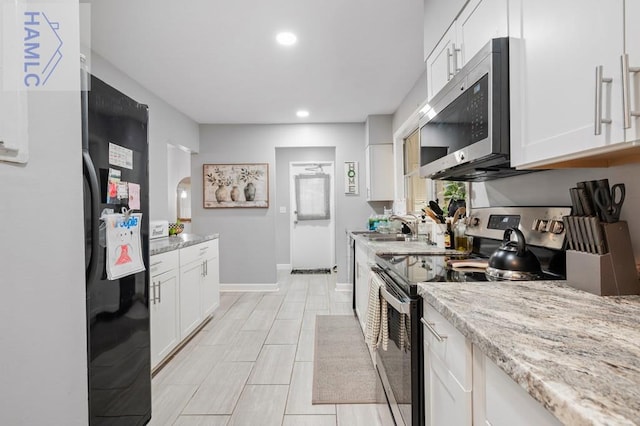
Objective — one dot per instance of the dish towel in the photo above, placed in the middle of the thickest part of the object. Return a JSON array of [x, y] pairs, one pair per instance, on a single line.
[[377, 327]]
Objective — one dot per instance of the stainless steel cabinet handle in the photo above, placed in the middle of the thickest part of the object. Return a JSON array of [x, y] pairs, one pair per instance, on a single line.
[[439, 337], [153, 286], [626, 94], [600, 80], [206, 268], [456, 51], [449, 60], [159, 291]]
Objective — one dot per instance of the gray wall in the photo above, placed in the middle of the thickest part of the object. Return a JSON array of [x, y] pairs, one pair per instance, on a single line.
[[248, 237], [42, 308], [166, 126], [412, 101], [551, 187], [284, 156]]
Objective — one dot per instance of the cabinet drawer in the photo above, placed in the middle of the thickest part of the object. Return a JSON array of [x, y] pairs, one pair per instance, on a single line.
[[454, 350], [163, 262], [200, 251]]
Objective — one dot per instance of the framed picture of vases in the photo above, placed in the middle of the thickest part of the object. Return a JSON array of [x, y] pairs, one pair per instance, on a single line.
[[235, 185]]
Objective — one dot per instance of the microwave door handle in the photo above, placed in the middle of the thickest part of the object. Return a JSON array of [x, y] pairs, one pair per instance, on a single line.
[[402, 307]]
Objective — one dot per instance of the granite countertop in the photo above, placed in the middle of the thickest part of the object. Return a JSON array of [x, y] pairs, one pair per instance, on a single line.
[[402, 247], [175, 242], [575, 352]]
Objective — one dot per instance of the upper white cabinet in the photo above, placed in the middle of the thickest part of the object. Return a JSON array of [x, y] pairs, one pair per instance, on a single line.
[[479, 22], [438, 16], [379, 172], [632, 50], [566, 80]]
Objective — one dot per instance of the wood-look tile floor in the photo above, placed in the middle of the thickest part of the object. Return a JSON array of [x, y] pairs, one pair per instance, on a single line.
[[252, 364]]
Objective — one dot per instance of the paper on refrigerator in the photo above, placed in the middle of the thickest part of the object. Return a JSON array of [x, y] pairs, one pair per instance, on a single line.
[[124, 245]]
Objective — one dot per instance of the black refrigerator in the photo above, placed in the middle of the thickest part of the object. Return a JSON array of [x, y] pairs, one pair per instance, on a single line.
[[115, 154]]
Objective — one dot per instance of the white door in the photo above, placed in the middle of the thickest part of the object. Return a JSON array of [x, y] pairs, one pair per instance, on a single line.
[[312, 215]]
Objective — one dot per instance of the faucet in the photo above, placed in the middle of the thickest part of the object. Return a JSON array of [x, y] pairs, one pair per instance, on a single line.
[[411, 221]]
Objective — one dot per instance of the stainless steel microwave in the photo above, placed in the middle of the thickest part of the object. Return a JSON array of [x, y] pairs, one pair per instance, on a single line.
[[464, 133]]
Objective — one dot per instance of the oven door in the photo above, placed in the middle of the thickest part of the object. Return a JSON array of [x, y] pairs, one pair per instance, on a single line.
[[394, 361]]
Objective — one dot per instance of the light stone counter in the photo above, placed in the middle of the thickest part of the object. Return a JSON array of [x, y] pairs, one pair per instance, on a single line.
[[175, 242], [576, 353]]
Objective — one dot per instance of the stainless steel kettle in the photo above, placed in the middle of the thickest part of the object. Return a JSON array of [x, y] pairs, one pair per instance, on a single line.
[[513, 260]]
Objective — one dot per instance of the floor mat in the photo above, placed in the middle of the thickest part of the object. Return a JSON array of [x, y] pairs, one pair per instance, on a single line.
[[343, 372]]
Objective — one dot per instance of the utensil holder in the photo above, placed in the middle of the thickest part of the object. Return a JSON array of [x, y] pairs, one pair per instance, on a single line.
[[611, 274]]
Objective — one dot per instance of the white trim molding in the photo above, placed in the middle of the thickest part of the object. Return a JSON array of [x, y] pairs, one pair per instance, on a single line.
[[344, 287], [256, 287]]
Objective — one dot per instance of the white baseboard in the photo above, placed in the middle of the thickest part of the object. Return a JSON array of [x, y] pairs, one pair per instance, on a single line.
[[250, 287], [283, 266], [344, 287]]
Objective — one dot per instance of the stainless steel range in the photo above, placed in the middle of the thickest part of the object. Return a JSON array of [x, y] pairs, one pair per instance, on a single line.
[[401, 365]]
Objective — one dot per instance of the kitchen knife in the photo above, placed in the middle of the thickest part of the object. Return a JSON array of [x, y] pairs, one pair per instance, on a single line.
[[568, 232], [590, 240], [575, 202], [585, 200], [577, 232], [598, 236]]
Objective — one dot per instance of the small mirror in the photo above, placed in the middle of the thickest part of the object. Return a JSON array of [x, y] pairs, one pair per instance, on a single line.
[[184, 200]]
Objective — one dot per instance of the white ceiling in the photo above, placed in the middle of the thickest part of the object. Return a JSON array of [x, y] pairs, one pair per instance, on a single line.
[[217, 61]]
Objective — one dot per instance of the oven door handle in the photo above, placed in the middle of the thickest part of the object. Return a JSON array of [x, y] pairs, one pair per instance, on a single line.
[[402, 307]]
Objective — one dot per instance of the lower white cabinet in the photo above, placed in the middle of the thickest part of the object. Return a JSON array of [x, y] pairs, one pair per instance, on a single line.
[[184, 291], [199, 285], [163, 305], [464, 387], [361, 285], [448, 372], [498, 400]]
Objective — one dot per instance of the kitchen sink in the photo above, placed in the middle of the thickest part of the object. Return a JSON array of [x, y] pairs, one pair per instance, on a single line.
[[386, 237]]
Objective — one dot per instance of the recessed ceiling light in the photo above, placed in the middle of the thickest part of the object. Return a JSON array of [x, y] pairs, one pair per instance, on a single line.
[[302, 113], [286, 38]]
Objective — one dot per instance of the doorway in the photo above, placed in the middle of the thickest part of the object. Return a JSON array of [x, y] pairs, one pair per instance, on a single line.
[[312, 216]]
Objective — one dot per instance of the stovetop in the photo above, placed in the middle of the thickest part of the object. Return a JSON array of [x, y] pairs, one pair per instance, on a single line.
[[487, 225]]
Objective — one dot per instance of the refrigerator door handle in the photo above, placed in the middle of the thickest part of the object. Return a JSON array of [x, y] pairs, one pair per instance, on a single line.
[[94, 189]]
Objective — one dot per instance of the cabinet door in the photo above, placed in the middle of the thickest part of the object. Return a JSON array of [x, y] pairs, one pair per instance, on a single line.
[[508, 404], [479, 22], [558, 61], [632, 43], [379, 172], [448, 403], [362, 286], [210, 286], [441, 64], [190, 315], [165, 332]]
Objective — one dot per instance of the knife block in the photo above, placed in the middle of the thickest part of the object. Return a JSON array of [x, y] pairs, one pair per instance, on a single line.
[[611, 274]]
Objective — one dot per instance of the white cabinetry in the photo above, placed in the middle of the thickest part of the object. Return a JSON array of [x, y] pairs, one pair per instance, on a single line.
[[362, 270], [632, 49], [379, 172], [163, 305], [498, 400], [479, 22], [558, 81], [448, 372], [199, 284]]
